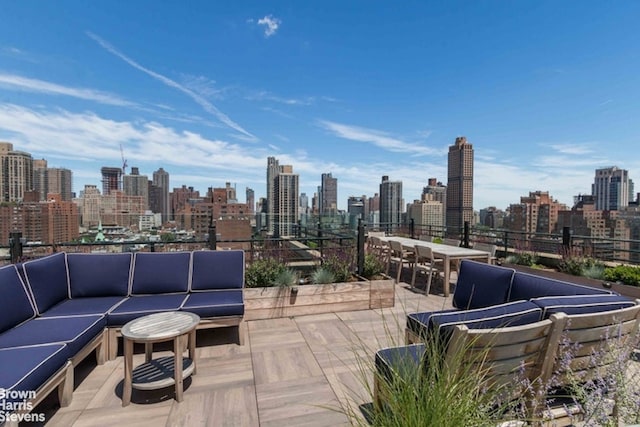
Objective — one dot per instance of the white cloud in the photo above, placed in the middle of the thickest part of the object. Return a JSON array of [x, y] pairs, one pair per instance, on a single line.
[[202, 85], [378, 138], [267, 96], [570, 148], [88, 137], [199, 99], [271, 25], [13, 82]]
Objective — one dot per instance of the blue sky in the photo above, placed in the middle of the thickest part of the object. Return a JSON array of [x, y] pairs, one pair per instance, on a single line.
[[546, 91]]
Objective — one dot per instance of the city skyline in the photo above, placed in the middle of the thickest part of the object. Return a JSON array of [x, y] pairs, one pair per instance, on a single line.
[[359, 91]]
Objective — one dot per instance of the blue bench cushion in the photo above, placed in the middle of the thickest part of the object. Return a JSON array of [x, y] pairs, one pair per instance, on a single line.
[[47, 280], [418, 323], [15, 303], [137, 306], [75, 332], [215, 303], [401, 361], [481, 285], [99, 275], [498, 316], [527, 286], [84, 306], [581, 304], [160, 273], [27, 368], [217, 270]]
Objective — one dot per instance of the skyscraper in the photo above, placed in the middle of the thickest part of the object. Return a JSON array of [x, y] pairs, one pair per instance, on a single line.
[[16, 173], [111, 179], [328, 194], [59, 182], [459, 202], [391, 204], [436, 191], [251, 199], [40, 182], [612, 189], [273, 168], [358, 207], [161, 181], [135, 184], [286, 185]]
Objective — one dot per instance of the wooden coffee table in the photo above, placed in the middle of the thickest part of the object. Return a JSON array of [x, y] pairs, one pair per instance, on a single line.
[[176, 326]]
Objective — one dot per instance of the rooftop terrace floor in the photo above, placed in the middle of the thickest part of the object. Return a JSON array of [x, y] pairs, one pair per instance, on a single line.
[[291, 372]]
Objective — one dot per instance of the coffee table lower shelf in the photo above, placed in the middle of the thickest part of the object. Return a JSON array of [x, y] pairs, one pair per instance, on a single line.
[[159, 373]]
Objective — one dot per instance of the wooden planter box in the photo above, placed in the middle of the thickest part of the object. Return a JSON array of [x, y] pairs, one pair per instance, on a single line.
[[274, 302]]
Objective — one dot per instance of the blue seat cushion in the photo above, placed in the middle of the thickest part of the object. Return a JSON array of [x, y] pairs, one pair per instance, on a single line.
[[84, 306], [15, 303], [215, 303], [137, 306], [418, 323], [498, 316], [481, 285], [99, 275], [581, 304], [30, 367], [160, 273], [217, 270], [75, 332], [401, 361], [527, 286], [47, 280]]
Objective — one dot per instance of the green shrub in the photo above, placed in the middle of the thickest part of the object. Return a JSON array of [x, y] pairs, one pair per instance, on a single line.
[[626, 274], [262, 273], [594, 272], [322, 276], [448, 393], [286, 278], [524, 258], [579, 265], [340, 262], [372, 266]]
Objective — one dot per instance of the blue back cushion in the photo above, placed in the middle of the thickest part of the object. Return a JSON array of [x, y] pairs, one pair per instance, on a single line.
[[162, 272], [48, 281], [481, 285], [527, 286], [509, 314], [217, 270], [99, 275], [15, 304], [581, 304]]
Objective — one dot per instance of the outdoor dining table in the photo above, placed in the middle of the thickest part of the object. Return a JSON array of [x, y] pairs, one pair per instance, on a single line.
[[448, 253]]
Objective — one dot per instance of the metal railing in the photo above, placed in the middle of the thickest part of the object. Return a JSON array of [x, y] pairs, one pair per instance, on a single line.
[[313, 240]]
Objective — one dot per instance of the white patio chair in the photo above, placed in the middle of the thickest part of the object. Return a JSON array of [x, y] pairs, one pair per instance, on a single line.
[[487, 247], [425, 262], [399, 257]]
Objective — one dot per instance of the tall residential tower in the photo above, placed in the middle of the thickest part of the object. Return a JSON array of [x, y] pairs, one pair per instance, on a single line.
[[459, 203], [612, 189], [391, 204]]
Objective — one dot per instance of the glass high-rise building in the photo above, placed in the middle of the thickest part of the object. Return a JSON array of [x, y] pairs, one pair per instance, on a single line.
[[459, 202], [391, 204], [612, 189]]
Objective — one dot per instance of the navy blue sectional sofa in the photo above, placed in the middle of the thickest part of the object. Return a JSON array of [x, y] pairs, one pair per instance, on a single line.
[[491, 296], [57, 310]]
